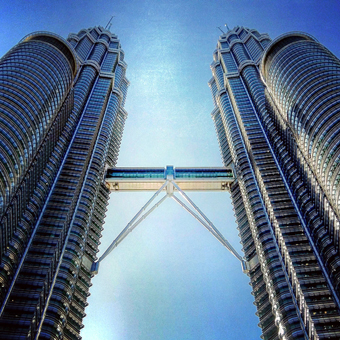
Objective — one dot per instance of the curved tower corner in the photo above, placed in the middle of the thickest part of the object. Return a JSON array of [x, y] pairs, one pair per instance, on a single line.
[[303, 79], [35, 78]]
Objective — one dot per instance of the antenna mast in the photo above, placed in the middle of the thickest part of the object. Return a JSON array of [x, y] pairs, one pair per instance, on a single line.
[[108, 26], [219, 27]]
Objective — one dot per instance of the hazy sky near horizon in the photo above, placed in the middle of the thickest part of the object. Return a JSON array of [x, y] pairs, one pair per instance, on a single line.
[[170, 279]]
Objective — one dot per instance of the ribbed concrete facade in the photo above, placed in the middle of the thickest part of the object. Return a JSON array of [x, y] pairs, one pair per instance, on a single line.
[[54, 233], [286, 222]]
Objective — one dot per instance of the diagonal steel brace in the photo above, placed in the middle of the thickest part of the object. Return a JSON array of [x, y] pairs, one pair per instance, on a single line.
[[130, 226], [204, 221], [169, 184]]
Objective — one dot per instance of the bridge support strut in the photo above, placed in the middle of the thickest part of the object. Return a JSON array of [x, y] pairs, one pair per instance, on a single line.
[[169, 185]]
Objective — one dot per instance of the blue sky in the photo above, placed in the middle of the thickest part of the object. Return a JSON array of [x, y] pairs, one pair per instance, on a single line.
[[170, 279]]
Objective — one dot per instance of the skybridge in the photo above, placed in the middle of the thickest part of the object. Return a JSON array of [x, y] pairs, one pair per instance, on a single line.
[[170, 181], [151, 179]]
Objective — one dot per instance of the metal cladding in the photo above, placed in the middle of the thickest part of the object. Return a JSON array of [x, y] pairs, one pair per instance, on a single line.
[[281, 139], [62, 114]]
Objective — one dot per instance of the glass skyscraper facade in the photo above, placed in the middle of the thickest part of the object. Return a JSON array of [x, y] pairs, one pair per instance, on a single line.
[[277, 120], [61, 124], [277, 117]]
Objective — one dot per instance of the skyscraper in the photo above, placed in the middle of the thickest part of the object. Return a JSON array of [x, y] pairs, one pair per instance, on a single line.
[[61, 124], [277, 120]]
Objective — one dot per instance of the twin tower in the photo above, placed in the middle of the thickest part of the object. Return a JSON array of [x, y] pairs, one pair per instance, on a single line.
[[277, 118]]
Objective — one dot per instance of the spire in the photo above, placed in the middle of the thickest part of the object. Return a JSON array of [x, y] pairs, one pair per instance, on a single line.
[[109, 24], [219, 27]]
